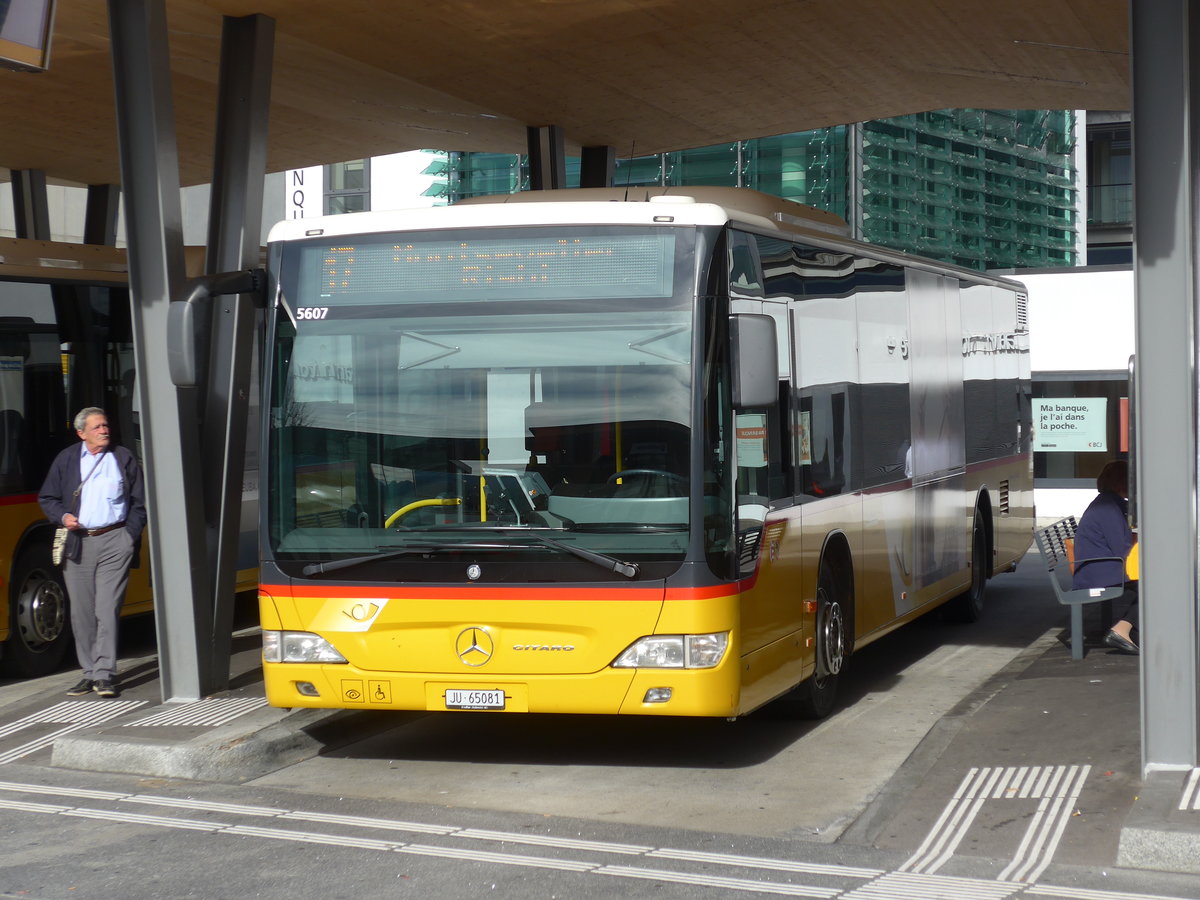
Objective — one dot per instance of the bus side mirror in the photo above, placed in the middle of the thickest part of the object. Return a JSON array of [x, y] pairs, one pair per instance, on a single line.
[[754, 361], [187, 318], [181, 343]]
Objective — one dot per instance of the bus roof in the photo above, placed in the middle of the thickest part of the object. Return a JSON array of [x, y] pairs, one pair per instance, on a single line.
[[600, 206]]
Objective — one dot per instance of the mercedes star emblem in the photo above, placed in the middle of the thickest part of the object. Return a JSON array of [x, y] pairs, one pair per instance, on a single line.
[[474, 646]]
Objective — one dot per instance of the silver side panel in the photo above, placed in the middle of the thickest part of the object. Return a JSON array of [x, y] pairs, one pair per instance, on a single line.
[[938, 439]]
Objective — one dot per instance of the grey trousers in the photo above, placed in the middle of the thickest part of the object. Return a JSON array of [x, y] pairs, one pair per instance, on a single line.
[[96, 585]]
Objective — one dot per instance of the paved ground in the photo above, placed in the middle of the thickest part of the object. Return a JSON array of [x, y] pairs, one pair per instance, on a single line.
[[954, 746]]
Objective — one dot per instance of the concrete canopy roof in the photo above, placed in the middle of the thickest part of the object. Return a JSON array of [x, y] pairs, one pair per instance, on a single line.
[[362, 78]]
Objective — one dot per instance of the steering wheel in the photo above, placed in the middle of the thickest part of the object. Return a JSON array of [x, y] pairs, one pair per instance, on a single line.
[[421, 504], [661, 473]]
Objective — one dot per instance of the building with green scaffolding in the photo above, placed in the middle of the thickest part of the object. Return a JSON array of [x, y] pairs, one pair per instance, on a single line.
[[984, 189]]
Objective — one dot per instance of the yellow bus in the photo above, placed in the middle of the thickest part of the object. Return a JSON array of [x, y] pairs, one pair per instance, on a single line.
[[65, 343], [651, 452]]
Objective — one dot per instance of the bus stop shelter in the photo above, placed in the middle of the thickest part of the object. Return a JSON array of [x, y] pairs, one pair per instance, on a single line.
[[154, 94]]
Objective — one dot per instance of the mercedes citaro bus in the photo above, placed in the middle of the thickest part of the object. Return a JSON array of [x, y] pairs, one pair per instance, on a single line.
[[652, 452]]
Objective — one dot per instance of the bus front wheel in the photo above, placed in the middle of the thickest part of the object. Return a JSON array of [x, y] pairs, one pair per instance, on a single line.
[[815, 698], [38, 618]]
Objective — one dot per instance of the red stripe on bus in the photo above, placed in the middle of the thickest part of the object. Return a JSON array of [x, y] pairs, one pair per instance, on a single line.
[[14, 499], [556, 592]]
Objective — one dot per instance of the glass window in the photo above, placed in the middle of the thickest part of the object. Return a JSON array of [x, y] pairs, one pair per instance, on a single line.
[[348, 187], [348, 176], [336, 204], [850, 411], [63, 346], [1110, 175], [451, 404]]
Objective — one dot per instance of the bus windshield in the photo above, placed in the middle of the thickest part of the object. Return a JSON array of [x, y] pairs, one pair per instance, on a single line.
[[407, 414]]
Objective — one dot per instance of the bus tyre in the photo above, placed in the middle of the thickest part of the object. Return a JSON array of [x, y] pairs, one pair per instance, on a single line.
[[968, 606], [815, 698], [38, 619]]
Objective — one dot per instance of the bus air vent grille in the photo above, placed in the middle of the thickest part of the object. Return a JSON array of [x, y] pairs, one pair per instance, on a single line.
[[748, 544]]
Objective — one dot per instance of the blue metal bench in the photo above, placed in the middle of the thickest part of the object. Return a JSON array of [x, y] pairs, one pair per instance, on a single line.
[[1052, 541]]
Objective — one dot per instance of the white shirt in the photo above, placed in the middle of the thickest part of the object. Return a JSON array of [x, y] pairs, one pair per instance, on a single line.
[[102, 502]]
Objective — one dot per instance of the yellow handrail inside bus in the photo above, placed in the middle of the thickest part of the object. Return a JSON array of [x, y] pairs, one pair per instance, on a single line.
[[417, 504]]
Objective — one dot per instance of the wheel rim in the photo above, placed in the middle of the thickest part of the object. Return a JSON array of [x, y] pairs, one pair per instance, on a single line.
[[41, 610], [832, 637]]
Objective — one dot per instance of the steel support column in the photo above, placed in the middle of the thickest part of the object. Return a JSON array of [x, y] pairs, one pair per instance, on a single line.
[[30, 207], [547, 158], [597, 166], [854, 178], [1166, 133], [169, 428], [234, 226], [100, 217]]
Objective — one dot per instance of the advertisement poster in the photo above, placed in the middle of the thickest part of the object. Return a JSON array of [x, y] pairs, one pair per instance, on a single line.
[[1070, 424], [752, 440]]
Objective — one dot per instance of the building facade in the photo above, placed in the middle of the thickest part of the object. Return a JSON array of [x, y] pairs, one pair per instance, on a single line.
[[984, 189]]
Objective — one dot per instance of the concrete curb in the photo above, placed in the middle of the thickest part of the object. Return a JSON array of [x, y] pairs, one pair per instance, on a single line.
[[1151, 837], [254, 745]]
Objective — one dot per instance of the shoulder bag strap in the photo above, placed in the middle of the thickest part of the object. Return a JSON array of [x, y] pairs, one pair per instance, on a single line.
[[91, 472]]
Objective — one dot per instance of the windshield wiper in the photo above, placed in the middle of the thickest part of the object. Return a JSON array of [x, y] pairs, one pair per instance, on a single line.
[[334, 565], [625, 527], [603, 560], [610, 563], [628, 569]]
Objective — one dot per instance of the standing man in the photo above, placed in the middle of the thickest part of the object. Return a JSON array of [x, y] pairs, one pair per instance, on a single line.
[[96, 490]]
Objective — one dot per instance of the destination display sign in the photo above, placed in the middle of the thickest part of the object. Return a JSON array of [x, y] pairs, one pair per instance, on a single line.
[[516, 266]]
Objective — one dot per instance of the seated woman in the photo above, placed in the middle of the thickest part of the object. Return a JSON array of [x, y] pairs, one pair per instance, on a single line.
[[1103, 531]]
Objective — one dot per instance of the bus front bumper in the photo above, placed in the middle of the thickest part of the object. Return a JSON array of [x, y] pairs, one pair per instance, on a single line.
[[661, 692]]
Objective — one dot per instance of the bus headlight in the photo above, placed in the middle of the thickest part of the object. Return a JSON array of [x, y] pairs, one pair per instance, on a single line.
[[298, 647], [674, 651]]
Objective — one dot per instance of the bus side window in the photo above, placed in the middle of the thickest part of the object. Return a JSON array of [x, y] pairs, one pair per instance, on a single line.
[[764, 466], [823, 418], [745, 271]]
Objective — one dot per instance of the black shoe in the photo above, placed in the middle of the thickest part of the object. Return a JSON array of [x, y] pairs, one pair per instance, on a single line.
[[1120, 644], [84, 687], [105, 688]]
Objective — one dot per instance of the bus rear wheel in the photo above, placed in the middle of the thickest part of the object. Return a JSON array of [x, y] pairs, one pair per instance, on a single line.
[[38, 618], [816, 697], [968, 606]]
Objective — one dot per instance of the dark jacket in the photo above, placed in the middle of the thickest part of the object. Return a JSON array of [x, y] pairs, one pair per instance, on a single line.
[[1103, 530], [57, 496]]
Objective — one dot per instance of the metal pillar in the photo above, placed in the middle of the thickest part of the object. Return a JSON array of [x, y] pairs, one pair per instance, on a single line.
[[1166, 133], [100, 217], [30, 207], [597, 166], [547, 158], [234, 226], [854, 178], [170, 432]]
